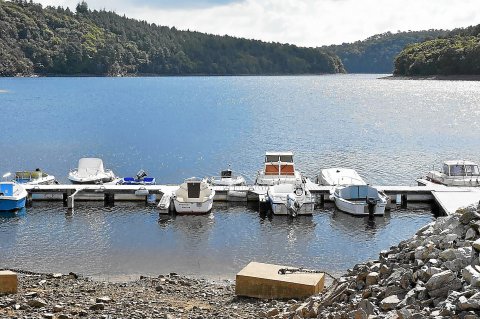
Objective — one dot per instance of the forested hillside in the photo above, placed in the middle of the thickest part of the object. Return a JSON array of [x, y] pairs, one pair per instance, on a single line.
[[57, 41], [377, 53], [458, 53]]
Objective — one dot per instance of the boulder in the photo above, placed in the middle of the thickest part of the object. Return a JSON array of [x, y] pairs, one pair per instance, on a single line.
[[476, 245], [371, 279], [470, 234], [367, 307], [469, 214], [389, 303], [439, 284], [37, 303]]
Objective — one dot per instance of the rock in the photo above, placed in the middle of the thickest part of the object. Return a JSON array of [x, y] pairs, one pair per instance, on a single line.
[[470, 234], [272, 312], [389, 303], [97, 306], [476, 245], [468, 215], [48, 315], [472, 303], [31, 294], [439, 284], [360, 314], [367, 307], [159, 288], [103, 299], [371, 279], [37, 303], [57, 308], [404, 313], [63, 316]]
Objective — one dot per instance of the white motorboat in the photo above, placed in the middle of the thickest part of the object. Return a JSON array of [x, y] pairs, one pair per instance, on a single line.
[[227, 178], [456, 173], [351, 193], [91, 171], [279, 168], [36, 177], [194, 197], [12, 195], [290, 199]]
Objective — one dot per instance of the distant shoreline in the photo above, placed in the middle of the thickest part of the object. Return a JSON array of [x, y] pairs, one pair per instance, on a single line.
[[434, 77], [139, 75]]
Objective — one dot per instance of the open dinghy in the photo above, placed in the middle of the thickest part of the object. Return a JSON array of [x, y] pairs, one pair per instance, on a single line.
[[12, 195]]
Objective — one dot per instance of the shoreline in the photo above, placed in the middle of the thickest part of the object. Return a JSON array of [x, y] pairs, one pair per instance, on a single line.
[[434, 274], [433, 77]]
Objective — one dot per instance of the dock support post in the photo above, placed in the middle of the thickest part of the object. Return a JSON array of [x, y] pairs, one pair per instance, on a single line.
[[109, 200], [65, 198], [29, 200], [70, 200], [404, 200]]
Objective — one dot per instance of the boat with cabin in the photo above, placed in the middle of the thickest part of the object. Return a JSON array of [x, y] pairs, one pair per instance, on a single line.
[[456, 173], [279, 168], [12, 195], [36, 177], [290, 199], [352, 194], [91, 171], [194, 196]]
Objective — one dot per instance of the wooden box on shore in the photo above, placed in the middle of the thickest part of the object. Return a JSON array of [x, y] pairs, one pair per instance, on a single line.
[[260, 280], [8, 282]]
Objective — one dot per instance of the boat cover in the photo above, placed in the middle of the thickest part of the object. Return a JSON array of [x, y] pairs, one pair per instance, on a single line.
[[90, 166], [340, 176]]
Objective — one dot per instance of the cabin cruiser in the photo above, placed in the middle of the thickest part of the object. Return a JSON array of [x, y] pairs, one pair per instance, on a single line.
[[139, 179], [351, 193], [36, 177], [12, 195], [290, 199], [456, 173], [278, 169], [227, 178], [91, 171], [194, 197]]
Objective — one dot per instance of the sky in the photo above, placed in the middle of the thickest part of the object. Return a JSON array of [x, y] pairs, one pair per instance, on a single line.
[[309, 23]]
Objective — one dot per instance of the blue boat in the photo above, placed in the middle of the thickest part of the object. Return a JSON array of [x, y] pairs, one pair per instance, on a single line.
[[12, 196], [140, 179]]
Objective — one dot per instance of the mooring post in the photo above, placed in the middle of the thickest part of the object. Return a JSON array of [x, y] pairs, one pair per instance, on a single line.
[[65, 198], [70, 200], [109, 199], [29, 199], [404, 200]]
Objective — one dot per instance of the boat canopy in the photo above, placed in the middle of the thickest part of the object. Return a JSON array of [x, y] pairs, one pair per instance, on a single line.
[[460, 168], [285, 157], [226, 173], [340, 176], [355, 192], [90, 166]]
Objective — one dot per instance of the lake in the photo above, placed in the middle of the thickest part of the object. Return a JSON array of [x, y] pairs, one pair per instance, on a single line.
[[391, 132]]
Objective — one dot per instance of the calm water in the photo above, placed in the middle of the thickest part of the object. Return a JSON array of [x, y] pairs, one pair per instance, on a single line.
[[390, 131]]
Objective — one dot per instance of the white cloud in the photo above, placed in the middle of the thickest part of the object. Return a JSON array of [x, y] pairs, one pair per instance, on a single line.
[[301, 22]]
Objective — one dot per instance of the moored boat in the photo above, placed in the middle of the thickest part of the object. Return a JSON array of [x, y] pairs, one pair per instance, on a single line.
[[91, 171], [194, 197], [12, 195], [279, 168], [290, 199], [227, 178], [351, 193], [36, 177], [456, 173]]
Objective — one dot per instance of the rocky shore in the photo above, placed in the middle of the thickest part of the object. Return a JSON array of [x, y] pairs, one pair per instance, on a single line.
[[435, 274]]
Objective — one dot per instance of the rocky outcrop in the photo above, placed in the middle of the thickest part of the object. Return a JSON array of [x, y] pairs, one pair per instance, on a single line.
[[435, 274]]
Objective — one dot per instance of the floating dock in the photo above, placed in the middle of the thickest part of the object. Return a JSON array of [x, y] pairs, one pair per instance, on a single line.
[[448, 199]]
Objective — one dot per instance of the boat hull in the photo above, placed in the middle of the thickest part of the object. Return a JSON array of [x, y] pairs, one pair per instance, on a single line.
[[194, 208], [359, 208], [282, 209], [74, 180], [440, 178], [12, 204]]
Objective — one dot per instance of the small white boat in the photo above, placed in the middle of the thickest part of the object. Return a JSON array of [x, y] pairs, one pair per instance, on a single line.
[[12, 195], [351, 193], [456, 173], [91, 171], [194, 197], [36, 177], [227, 178], [279, 168], [290, 199]]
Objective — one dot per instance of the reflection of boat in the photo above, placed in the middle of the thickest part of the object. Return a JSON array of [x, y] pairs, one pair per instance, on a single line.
[[194, 197], [226, 178], [139, 179], [12, 195], [36, 177], [289, 199], [90, 171], [278, 169], [351, 194], [456, 173]]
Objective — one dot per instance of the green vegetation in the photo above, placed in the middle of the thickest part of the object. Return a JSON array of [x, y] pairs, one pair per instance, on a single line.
[[37, 40], [377, 53], [458, 53]]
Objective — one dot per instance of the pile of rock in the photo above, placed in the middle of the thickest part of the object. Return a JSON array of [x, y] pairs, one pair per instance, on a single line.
[[435, 274]]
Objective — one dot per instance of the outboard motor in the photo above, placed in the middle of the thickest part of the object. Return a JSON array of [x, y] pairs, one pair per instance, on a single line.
[[372, 204], [141, 174], [292, 205]]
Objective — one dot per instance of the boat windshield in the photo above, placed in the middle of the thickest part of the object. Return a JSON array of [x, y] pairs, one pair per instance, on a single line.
[[278, 158], [464, 170]]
